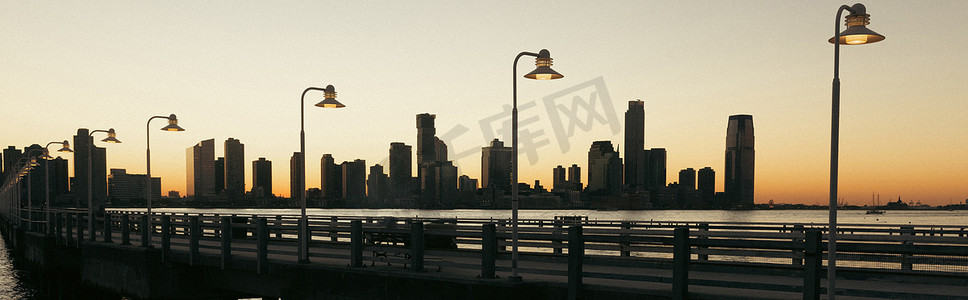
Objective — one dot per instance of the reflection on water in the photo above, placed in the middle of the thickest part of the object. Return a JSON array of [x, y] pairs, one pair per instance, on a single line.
[[12, 283]]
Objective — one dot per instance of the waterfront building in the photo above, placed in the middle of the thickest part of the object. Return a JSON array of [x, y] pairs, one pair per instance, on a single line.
[[234, 169], [262, 178], [604, 169], [634, 145], [496, 166], [740, 157], [201, 170]]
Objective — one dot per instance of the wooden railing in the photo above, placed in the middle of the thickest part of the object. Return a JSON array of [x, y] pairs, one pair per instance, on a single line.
[[571, 244]]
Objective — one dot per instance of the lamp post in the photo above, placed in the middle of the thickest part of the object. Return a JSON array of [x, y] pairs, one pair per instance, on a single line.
[[90, 181], [65, 147], [542, 71], [172, 126], [855, 34], [328, 102], [32, 162]]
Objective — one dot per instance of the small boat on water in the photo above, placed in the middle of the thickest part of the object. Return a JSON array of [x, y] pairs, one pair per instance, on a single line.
[[873, 210]]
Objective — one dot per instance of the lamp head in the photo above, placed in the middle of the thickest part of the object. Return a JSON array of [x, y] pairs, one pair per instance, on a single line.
[[330, 100], [66, 148], [112, 137], [172, 124], [543, 69], [46, 155], [857, 32], [33, 162]]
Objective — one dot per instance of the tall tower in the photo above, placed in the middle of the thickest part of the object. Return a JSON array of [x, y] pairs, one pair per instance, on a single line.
[[558, 178], [604, 168], [295, 175], [707, 184], [426, 142], [331, 178], [376, 186], [574, 176], [740, 156], [401, 170], [354, 182], [234, 169], [496, 166], [655, 174], [634, 144], [201, 170], [99, 181], [262, 177]]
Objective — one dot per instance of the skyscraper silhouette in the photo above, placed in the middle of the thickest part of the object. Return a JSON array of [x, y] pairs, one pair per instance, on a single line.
[[740, 156], [234, 169], [331, 178], [655, 175], [219, 175], [354, 182], [707, 185], [426, 141], [201, 170], [377, 184], [262, 178], [295, 175], [401, 170], [604, 169], [99, 183], [496, 166], [558, 178], [635, 144]]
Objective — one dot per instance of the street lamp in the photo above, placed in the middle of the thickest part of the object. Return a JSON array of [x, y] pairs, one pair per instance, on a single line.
[[855, 34], [65, 147], [172, 126], [542, 71], [112, 138], [32, 162], [328, 102]]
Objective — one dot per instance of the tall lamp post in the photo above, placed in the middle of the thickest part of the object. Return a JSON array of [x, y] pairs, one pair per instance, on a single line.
[[328, 102], [31, 163], [90, 182], [542, 71], [172, 126], [855, 34], [65, 147]]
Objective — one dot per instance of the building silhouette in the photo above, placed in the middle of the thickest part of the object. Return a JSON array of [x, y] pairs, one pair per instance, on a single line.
[[10, 157], [331, 178], [635, 145], [574, 176], [82, 145], [466, 184], [377, 186], [201, 170], [126, 187], [234, 169], [707, 185], [60, 178], [262, 178], [296, 175], [687, 179], [219, 175], [496, 166], [604, 169], [426, 141], [655, 175], [401, 171], [558, 178], [740, 157], [354, 182]]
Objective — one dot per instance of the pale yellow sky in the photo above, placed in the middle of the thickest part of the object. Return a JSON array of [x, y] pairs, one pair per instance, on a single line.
[[230, 69]]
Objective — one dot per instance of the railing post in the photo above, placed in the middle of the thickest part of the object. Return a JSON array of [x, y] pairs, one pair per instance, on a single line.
[[58, 224], [680, 263], [333, 229], [356, 243], [576, 253], [703, 235], [417, 246], [262, 248], [125, 229], [226, 241], [906, 258], [626, 244], [797, 229], [194, 236], [80, 229], [69, 221], [107, 228], [145, 231], [488, 250], [813, 254], [278, 225], [555, 242], [165, 238]]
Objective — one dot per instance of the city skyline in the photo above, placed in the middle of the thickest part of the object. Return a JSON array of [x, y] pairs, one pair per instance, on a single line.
[[239, 72]]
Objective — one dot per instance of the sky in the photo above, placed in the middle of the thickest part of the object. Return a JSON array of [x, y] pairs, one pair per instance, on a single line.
[[237, 69]]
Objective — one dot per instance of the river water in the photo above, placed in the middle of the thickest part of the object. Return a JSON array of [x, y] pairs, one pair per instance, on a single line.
[[14, 285]]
